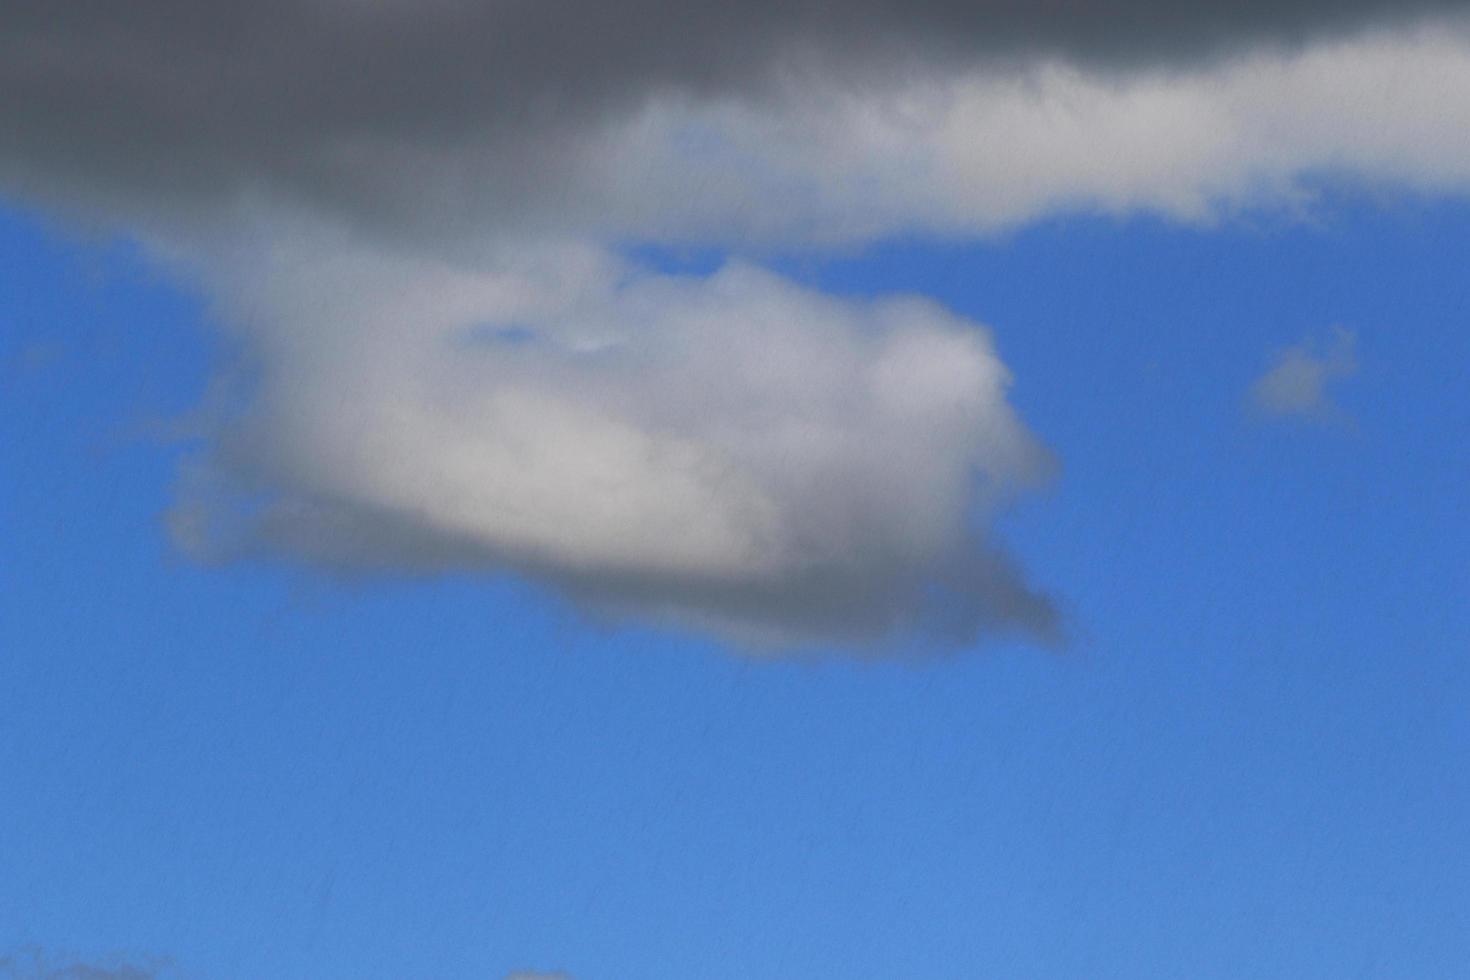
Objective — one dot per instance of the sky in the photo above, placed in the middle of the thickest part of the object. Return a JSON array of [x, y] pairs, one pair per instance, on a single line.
[[813, 492]]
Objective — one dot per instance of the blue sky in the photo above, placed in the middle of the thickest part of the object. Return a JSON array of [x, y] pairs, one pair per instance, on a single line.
[[943, 492], [1247, 763]]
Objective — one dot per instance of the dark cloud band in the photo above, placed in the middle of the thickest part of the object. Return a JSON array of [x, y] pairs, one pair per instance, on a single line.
[[314, 98]]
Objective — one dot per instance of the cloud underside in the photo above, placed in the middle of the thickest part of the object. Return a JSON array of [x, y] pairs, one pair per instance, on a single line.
[[414, 221]]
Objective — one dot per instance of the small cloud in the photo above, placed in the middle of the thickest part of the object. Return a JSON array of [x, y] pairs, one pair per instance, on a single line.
[[1297, 384], [29, 361], [33, 964], [537, 975]]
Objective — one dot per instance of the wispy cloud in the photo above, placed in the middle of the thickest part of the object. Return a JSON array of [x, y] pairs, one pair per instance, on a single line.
[[1299, 381], [33, 964]]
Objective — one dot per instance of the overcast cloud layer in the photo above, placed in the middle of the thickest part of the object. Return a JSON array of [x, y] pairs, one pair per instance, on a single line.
[[413, 218]]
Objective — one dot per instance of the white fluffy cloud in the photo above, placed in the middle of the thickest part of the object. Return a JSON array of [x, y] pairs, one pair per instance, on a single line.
[[982, 150], [734, 450]]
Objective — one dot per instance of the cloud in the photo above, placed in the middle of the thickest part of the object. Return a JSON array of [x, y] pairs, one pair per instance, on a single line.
[[414, 222], [733, 451], [1297, 382], [33, 965], [716, 121], [979, 152], [537, 975], [191, 99], [421, 133]]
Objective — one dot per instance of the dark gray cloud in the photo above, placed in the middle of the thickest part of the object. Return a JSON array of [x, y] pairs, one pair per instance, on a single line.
[[331, 101]]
